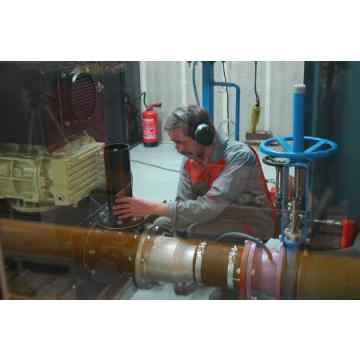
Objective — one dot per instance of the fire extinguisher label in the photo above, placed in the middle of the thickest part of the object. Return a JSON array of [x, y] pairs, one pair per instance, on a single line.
[[149, 129]]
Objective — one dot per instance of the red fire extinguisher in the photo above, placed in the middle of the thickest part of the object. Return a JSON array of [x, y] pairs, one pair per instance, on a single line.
[[150, 123]]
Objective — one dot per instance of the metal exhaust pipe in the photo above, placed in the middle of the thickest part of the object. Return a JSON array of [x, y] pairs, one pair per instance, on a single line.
[[118, 176]]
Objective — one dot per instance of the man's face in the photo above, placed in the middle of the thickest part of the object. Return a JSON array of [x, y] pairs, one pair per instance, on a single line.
[[185, 145]]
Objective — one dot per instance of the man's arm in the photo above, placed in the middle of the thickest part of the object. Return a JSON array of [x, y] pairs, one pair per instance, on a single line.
[[233, 181], [127, 207]]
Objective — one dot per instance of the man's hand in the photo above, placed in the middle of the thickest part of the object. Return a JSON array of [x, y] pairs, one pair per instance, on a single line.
[[128, 207]]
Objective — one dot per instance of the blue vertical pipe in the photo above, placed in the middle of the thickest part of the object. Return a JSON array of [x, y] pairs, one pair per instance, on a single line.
[[237, 108], [207, 87], [298, 118], [237, 113]]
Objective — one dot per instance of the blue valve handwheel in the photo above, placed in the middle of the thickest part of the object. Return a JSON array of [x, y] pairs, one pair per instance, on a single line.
[[319, 149]]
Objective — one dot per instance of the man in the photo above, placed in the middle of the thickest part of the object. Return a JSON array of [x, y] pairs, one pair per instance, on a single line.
[[220, 185], [220, 182]]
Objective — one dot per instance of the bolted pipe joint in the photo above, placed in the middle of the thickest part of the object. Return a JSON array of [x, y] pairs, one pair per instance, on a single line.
[[174, 260]]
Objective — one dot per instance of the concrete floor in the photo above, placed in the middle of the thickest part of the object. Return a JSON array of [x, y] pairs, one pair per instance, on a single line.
[[155, 172], [150, 181]]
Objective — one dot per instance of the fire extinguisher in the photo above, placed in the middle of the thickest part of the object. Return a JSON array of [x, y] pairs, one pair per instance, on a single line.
[[150, 124]]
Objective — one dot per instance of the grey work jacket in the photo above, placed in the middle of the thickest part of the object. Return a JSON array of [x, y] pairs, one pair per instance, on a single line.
[[232, 180]]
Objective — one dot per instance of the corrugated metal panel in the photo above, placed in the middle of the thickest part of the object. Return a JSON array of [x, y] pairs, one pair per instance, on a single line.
[[171, 83]]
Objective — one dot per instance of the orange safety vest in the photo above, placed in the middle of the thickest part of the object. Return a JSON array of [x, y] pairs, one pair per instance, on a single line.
[[199, 173]]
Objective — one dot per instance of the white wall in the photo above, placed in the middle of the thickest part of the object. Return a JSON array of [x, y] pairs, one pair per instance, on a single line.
[[171, 83]]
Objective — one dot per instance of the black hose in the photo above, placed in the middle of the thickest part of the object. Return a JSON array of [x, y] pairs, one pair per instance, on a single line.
[[227, 99], [255, 88], [194, 83], [144, 99], [241, 237]]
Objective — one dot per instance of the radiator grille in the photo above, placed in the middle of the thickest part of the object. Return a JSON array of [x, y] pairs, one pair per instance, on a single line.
[[83, 96]]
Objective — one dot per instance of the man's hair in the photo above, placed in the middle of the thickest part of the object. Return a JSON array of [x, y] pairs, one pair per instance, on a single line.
[[186, 117]]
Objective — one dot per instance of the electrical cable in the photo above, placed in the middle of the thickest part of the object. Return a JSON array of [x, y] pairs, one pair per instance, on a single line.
[[227, 99], [255, 88], [255, 112], [155, 166], [94, 201], [241, 237], [55, 122], [194, 83], [128, 99], [133, 105], [144, 99], [31, 125], [59, 98]]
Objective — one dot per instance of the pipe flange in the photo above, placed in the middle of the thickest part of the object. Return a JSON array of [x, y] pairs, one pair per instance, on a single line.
[[231, 268], [199, 256], [145, 244], [247, 273]]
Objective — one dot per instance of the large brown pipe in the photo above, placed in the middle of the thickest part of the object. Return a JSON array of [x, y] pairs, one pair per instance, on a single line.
[[329, 274], [258, 272], [118, 175], [66, 245], [172, 260]]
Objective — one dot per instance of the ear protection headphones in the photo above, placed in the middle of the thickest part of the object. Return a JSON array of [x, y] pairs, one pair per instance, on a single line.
[[199, 127]]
